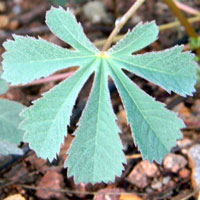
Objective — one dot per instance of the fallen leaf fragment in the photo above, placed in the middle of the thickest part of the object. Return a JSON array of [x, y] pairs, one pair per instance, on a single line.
[[51, 182], [15, 197], [184, 143], [37, 163], [129, 197], [121, 116], [182, 110], [19, 173]]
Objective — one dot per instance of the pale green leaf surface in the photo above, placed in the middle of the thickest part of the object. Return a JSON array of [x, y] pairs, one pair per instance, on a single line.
[[171, 69], [10, 120], [96, 152], [64, 25], [7, 148], [46, 121], [3, 85], [155, 129], [141, 36], [28, 58]]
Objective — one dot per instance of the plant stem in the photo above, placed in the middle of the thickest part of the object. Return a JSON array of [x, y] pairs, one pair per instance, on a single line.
[[121, 23], [115, 8], [177, 23], [56, 77], [186, 8], [100, 43], [183, 20], [163, 27]]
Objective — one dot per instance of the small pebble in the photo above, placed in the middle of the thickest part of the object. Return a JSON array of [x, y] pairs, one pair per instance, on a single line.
[[150, 169], [174, 162], [2, 6], [166, 180], [95, 11], [17, 9], [13, 25], [140, 173], [156, 185], [138, 177], [100, 196], [184, 173], [4, 20]]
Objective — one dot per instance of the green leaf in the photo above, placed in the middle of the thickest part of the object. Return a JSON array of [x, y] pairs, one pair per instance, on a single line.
[[154, 128], [10, 120], [96, 137], [168, 69], [3, 85], [96, 152], [59, 2], [64, 25], [46, 121], [194, 43], [198, 77], [27, 59], [10, 134], [141, 36], [7, 148]]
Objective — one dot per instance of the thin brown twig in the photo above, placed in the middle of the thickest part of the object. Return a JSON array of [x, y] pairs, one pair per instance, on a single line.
[[133, 156], [78, 191], [56, 77], [186, 8], [121, 23], [101, 42], [161, 28], [190, 195], [183, 20]]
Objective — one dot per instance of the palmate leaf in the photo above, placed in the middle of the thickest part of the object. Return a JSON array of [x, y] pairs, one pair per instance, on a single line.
[[10, 134], [96, 152]]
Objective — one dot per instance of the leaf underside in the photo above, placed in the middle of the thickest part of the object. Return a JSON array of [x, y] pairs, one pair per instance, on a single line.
[[10, 134], [96, 138], [96, 153]]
